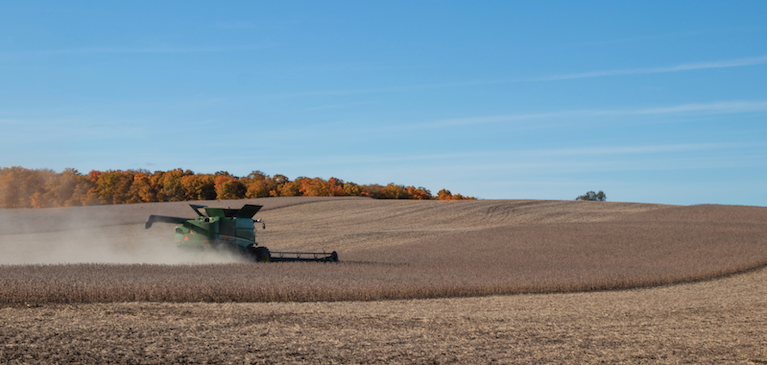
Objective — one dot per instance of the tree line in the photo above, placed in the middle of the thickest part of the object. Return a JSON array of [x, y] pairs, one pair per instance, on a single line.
[[44, 188]]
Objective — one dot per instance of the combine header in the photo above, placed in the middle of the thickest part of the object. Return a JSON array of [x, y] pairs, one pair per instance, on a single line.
[[233, 230]]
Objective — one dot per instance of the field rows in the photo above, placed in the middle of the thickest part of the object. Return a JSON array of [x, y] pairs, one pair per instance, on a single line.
[[112, 292], [576, 250], [714, 322]]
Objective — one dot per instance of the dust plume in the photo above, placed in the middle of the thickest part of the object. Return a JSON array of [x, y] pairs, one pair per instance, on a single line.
[[102, 234]]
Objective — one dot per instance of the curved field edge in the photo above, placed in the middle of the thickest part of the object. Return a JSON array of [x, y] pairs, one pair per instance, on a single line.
[[712, 322], [92, 286], [659, 247]]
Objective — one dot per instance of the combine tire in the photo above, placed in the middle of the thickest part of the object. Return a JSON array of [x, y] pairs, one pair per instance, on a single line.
[[259, 254]]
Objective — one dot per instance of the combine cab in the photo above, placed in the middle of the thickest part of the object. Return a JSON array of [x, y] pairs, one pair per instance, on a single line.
[[233, 230]]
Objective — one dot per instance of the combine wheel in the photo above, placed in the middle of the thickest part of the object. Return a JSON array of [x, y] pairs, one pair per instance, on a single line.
[[259, 254]]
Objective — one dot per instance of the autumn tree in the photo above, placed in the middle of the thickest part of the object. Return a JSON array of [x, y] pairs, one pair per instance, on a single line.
[[199, 187], [279, 181], [23, 188], [394, 191], [26, 188], [352, 189], [292, 188], [444, 194], [68, 189], [372, 190], [260, 185], [34, 187], [228, 187], [114, 186], [60, 187], [170, 185], [335, 187], [144, 187], [419, 193], [10, 186], [257, 189], [314, 187]]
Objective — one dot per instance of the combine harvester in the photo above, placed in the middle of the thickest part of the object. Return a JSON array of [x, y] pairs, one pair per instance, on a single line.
[[233, 230]]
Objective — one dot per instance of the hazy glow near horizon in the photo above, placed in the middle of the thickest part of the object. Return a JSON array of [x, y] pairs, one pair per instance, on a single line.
[[659, 102]]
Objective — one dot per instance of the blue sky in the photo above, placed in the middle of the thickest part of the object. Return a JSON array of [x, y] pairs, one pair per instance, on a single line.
[[661, 102]]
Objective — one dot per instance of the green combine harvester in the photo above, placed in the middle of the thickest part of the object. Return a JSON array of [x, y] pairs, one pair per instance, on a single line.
[[233, 230]]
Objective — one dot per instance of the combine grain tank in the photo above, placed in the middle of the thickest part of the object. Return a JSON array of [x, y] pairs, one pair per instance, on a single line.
[[233, 230]]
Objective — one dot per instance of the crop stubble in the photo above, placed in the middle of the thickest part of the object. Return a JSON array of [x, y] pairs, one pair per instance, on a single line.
[[712, 322], [404, 250], [415, 251]]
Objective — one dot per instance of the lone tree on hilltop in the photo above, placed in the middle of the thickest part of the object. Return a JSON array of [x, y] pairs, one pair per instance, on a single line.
[[600, 196]]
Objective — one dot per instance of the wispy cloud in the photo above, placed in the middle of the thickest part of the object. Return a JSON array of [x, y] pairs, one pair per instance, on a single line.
[[502, 156], [136, 50], [253, 24], [639, 39], [751, 61], [740, 62], [397, 88], [168, 49], [706, 32], [10, 121], [719, 107], [607, 158], [612, 150], [47, 130], [505, 118], [334, 106], [365, 91], [715, 107]]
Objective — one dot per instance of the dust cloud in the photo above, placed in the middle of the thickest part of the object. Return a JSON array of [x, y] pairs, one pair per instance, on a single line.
[[102, 234]]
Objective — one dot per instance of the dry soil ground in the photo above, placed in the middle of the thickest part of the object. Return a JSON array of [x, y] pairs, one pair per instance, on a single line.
[[720, 320]]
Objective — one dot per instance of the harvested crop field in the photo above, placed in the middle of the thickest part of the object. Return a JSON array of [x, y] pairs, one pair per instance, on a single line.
[[90, 284], [721, 321], [389, 250]]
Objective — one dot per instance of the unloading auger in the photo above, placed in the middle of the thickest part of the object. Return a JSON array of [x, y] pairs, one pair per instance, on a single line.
[[233, 230]]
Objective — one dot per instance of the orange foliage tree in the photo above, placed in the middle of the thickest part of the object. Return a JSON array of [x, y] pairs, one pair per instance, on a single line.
[[352, 189], [372, 190], [261, 185], [70, 188], [27, 188], [314, 187], [199, 187], [292, 188], [228, 187], [170, 185], [419, 193], [143, 188], [114, 186], [444, 194]]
